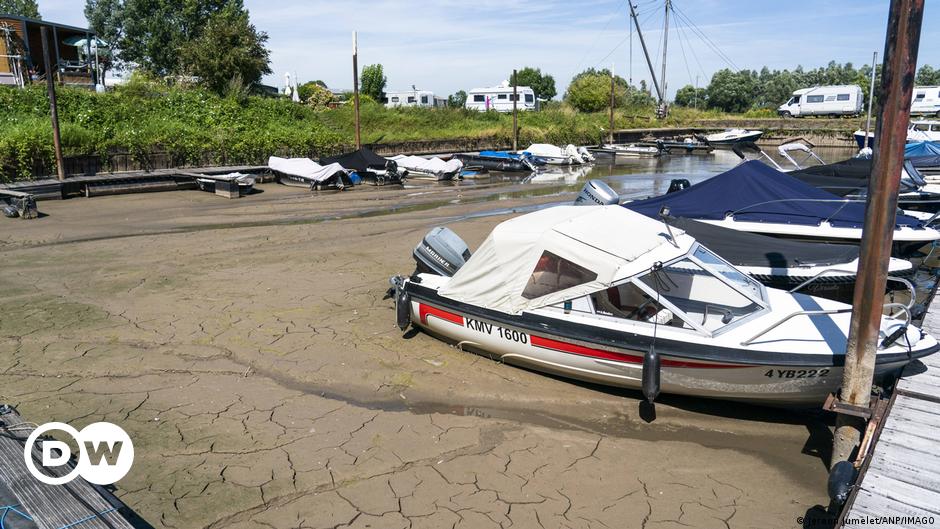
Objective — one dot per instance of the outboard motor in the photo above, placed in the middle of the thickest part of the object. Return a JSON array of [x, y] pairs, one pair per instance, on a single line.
[[595, 193], [586, 155], [678, 184], [441, 252]]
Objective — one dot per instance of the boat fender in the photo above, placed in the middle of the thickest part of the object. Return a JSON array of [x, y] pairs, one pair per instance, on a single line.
[[651, 371], [841, 478], [402, 308]]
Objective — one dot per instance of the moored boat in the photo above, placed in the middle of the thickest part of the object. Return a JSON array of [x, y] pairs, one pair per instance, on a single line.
[[491, 161], [732, 136], [552, 292], [369, 166], [433, 167], [304, 172]]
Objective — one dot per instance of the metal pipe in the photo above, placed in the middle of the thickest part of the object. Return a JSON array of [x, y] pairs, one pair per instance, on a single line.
[[871, 96], [897, 85], [53, 106], [356, 88], [611, 135], [515, 119], [646, 54]]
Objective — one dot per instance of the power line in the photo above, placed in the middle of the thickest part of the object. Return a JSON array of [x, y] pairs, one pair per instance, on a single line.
[[695, 29]]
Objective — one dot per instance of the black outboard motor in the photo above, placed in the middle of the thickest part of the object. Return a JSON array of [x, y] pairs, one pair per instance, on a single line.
[[441, 252], [596, 193], [678, 184]]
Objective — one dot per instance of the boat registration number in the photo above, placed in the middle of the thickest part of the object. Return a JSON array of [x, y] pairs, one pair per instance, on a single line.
[[488, 328], [796, 373]]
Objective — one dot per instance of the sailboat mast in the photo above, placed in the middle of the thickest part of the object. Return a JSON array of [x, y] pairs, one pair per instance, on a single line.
[[646, 54], [662, 95]]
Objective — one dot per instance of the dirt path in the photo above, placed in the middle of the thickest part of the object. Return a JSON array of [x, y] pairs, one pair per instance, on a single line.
[[246, 348]]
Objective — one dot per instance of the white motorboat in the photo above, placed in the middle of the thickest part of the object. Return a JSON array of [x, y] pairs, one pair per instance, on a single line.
[[433, 167], [304, 172], [606, 295], [555, 155], [732, 136], [923, 130], [627, 151]]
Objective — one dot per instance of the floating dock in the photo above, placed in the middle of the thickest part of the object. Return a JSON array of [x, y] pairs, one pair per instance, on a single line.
[[899, 482]]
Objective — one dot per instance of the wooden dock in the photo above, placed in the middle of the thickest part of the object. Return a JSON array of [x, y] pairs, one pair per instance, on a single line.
[[899, 482], [26, 502]]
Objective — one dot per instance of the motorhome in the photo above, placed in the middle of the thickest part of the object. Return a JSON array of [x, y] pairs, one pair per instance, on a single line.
[[414, 98], [926, 100], [836, 100], [500, 98]]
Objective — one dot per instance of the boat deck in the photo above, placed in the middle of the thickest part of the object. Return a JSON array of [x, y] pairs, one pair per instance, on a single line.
[[26, 502], [901, 477]]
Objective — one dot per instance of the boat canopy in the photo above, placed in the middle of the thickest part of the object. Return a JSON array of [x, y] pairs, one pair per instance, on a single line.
[[922, 148], [561, 253], [305, 168], [428, 165], [851, 176], [755, 192], [361, 160]]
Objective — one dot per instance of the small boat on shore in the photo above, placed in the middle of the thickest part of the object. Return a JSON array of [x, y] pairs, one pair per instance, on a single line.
[[626, 151], [245, 182], [554, 155], [369, 166], [432, 167], [635, 304], [494, 161], [732, 136], [304, 172]]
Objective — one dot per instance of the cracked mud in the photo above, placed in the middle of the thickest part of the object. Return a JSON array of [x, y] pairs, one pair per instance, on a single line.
[[265, 384]]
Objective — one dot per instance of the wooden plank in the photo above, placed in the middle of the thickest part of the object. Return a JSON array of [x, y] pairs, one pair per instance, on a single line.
[[870, 505], [51, 506], [903, 492], [906, 471]]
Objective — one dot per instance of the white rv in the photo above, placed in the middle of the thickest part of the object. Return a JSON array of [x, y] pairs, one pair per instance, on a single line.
[[414, 98], [499, 98], [836, 100], [926, 100]]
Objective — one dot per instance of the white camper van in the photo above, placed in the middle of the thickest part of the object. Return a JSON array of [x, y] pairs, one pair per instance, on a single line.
[[414, 98], [836, 100], [499, 98], [926, 100]]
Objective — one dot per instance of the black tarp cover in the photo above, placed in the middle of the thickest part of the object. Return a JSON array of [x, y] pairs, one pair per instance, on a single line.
[[850, 177], [361, 160], [748, 249], [755, 192]]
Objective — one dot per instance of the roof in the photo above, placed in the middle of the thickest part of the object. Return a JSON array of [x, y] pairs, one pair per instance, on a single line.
[[4, 16], [502, 87], [755, 192], [833, 87], [610, 241]]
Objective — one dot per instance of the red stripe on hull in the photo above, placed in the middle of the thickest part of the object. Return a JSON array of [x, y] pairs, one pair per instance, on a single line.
[[564, 347], [426, 310]]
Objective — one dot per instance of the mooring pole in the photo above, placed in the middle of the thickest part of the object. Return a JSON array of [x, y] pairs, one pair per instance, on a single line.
[[53, 106], [515, 122], [897, 85], [611, 126], [356, 89], [871, 97]]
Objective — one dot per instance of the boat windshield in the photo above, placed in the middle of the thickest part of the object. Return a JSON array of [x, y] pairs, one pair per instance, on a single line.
[[743, 281], [705, 299]]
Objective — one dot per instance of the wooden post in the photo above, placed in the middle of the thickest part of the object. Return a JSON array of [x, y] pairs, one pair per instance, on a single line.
[[53, 107], [611, 134], [871, 96], [515, 122], [897, 85], [356, 89]]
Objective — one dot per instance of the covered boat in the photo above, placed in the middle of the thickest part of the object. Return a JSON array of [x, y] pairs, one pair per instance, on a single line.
[[732, 136], [849, 178], [369, 166], [757, 198], [555, 155], [436, 167], [921, 148], [627, 151], [499, 161], [552, 291], [304, 172]]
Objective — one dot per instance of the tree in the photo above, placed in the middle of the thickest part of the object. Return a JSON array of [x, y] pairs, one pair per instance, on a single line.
[[927, 76], [318, 95], [731, 91], [373, 81], [309, 88], [542, 85], [589, 91], [457, 99], [689, 96], [23, 8], [228, 48]]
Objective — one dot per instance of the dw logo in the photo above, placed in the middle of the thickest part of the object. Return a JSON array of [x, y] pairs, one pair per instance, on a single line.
[[106, 453]]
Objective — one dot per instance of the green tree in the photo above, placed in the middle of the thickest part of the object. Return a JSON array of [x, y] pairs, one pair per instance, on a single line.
[[23, 8], [731, 91], [689, 96], [318, 95], [542, 85], [307, 89], [229, 47], [928, 76], [457, 100], [373, 81], [589, 91]]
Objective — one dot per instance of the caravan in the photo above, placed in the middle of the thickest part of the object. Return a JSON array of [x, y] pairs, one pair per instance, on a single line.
[[499, 98], [926, 100], [414, 98], [837, 100]]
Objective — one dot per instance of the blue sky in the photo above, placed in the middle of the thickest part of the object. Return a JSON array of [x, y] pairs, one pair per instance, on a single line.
[[449, 45]]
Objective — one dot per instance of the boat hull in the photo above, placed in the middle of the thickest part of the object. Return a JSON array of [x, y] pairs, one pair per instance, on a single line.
[[611, 358], [506, 165], [727, 142]]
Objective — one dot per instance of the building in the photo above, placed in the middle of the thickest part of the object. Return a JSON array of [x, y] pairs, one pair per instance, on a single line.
[[500, 98], [73, 52], [414, 98]]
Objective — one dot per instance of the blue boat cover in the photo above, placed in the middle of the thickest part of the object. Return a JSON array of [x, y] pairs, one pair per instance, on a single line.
[[755, 192], [921, 148], [925, 161], [501, 154]]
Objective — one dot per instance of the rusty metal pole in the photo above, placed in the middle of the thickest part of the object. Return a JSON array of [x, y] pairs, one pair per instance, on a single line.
[[356, 89], [515, 122], [897, 85], [53, 106], [611, 135]]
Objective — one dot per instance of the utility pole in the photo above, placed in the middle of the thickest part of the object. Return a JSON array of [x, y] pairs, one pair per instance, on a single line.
[[53, 106], [646, 54], [611, 139], [897, 84], [515, 122], [871, 97], [356, 89]]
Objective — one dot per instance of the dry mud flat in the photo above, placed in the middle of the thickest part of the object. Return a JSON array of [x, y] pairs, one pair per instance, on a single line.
[[246, 348]]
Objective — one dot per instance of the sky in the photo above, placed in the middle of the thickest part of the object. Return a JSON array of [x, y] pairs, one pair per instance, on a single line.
[[451, 45]]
